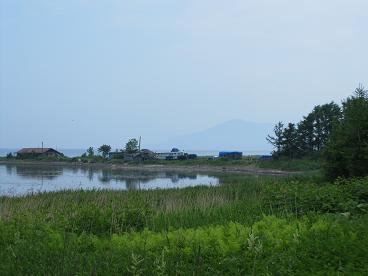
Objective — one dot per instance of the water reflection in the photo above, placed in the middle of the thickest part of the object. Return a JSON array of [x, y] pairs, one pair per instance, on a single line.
[[21, 179], [37, 172], [136, 179], [10, 169]]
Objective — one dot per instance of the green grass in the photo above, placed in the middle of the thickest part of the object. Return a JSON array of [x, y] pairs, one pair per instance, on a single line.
[[206, 161], [324, 245], [285, 164], [248, 225], [303, 164]]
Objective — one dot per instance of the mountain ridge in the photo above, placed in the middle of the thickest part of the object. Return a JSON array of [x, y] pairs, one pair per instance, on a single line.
[[234, 134]]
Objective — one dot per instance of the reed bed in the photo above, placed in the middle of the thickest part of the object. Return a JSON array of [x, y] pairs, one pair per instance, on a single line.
[[246, 225]]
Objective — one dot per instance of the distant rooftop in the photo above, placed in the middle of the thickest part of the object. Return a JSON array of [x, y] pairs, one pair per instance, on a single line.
[[36, 150]]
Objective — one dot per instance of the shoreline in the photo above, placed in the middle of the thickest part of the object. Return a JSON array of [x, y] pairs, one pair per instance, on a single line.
[[159, 167]]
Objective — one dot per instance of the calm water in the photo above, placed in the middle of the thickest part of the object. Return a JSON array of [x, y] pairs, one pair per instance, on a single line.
[[24, 179]]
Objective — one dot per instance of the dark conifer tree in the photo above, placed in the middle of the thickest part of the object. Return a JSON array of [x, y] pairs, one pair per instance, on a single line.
[[346, 152]]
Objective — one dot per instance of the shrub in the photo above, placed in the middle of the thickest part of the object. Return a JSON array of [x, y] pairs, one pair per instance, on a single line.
[[325, 245]]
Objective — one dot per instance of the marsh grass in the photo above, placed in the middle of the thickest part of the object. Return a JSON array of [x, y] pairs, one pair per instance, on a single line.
[[306, 164], [246, 225], [238, 199]]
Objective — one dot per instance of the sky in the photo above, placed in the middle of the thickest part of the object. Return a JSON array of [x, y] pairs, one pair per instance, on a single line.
[[75, 73]]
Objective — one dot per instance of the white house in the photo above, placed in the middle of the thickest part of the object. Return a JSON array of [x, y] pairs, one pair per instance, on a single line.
[[169, 155]]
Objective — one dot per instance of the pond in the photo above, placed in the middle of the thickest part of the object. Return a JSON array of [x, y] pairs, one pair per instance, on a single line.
[[21, 179]]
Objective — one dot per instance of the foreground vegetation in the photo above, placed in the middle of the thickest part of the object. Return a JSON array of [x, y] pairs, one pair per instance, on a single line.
[[248, 225]]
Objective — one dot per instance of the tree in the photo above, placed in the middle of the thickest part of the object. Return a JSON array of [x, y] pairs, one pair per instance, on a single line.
[[90, 152], [315, 128], [325, 117], [306, 136], [309, 135], [104, 150], [285, 140], [277, 140], [346, 152], [289, 143], [131, 146]]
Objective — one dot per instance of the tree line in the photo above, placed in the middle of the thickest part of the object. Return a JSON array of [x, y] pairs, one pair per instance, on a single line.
[[308, 136], [337, 134], [130, 147]]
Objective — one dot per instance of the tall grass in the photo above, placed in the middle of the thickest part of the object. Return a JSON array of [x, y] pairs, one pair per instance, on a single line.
[[247, 225], [239, 199]]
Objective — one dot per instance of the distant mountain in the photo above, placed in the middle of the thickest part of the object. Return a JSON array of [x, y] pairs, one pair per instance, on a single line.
[[230, 135]]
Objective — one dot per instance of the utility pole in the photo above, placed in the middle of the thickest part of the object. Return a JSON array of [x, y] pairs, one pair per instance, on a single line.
[[140, 156]]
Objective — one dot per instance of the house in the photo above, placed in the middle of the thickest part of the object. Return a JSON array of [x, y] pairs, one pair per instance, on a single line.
[[116, 155], [172, 155], [141, 155], [38, 152], [146, 154]]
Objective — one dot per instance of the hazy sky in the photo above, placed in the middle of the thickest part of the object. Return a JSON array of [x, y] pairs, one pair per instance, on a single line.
[[75, 73]]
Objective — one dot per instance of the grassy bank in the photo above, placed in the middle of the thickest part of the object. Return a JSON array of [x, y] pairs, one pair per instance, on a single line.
[[249, 225], [304, 164], [286, 164]]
